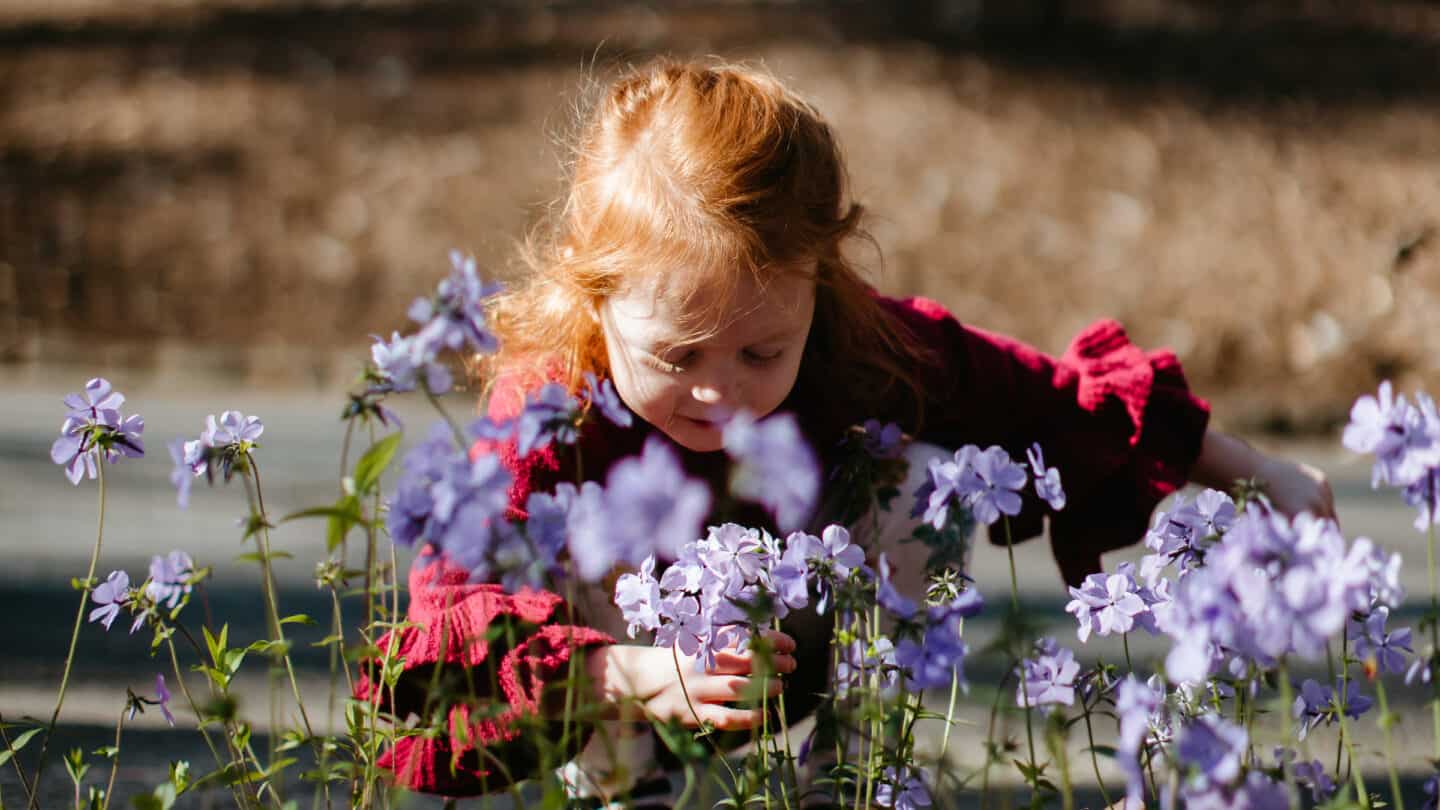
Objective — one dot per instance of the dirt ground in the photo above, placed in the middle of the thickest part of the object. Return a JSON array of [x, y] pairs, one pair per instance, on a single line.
[[254, 186]]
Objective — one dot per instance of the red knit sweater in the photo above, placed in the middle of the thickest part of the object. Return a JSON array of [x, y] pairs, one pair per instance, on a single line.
[[1119, 423]]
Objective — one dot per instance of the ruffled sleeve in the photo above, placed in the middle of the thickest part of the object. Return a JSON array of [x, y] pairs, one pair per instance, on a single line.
[[456, 625], [451, 622], [1120, 423]]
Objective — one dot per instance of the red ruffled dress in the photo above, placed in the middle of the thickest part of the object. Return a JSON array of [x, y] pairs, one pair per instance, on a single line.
[[1119, 423]]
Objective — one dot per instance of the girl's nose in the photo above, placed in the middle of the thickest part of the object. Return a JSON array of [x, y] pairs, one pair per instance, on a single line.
[[707, 394]]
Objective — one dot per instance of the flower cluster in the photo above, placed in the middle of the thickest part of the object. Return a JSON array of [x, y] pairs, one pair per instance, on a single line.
[[1180, 535], [1270, 587], [985, 483], [453, 318], [170, 581], [95, 428], [224, 446], [1047, 678], [1109, 604], [719, 589], [775, 466], [1405, 440]]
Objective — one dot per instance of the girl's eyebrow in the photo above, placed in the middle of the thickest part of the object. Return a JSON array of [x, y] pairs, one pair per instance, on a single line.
[[665, 345]]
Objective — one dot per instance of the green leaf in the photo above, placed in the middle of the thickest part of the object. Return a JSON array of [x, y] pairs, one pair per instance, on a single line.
[[298, 618], [1104, 750], [17, 744], [372, 465], [106, 751], [255, 556]]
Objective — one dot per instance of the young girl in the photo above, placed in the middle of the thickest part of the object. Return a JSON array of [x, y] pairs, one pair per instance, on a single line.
[[698, 262]]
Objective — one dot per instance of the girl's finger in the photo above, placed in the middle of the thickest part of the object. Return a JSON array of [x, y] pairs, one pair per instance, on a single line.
[[725, 688], [780, 642], [733, 663], [725, 718]]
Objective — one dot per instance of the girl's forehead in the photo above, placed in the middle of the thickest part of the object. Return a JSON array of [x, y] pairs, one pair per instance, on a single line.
[[646, 312]]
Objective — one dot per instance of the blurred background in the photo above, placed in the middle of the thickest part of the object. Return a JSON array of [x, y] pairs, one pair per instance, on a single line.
[[249, 187], [214, 202]]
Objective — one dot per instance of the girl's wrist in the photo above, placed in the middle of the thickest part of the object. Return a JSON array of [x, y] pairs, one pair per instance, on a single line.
[[1225, 459]]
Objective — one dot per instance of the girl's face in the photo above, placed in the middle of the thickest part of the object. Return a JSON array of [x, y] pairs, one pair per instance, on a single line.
[[687, 387]]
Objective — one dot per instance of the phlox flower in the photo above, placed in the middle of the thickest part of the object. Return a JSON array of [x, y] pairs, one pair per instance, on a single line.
[[1316, 704], [648, 506], [1257, 792], [1404, 439], [638, 597], [934, 662], [1140, 709], [1048, 678], [110, 595], [882, 442], [1047, 479], [455, 316], [602, 395], [1432, 793], [902, 789], [94, 428], [892, 600], [859, 660], [1106, 605], [1371, 641], [775, 466], [162, 698], [169, 578], [403, 365], [994, 488], [1313, 775], [1213, 747], [551, 415]]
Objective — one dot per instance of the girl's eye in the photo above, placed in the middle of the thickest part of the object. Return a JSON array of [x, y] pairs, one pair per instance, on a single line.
[[674, 362], [756, 358]]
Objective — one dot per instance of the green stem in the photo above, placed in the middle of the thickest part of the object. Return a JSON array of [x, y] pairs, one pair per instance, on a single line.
[[455, 429], [1386, 721], [199, 718], [949, 717], [1015, 608], [115, 763], [14, 759], [272, 604], [74, 637], [685, 692], [1434, 627], [1094, 761]]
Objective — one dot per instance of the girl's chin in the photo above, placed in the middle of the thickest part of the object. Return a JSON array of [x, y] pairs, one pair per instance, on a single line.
[[696, 434]]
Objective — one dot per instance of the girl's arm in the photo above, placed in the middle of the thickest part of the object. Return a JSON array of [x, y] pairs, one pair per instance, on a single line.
[[631, 673], [1293, 487]]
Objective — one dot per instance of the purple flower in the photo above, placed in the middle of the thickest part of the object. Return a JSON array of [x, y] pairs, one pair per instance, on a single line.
[[1388, 649], [1106, 605], [647, 506], [788, 578], [1424, 495], [937, 660], [169, 578], [404, 365], [1049, 677], [1256, 792], [551, 415], [98, 404], [162, 698], [455, 316], [1432, 793], [775, 466], [1214, 747], [892, 600], [94, 428], [638, 597], [110, 595], [994, 485], [603, 396], [182, 474], [882, 442], [1312, 775], [902, 789], [233, 429], [1047, 480], [832, 556], [858, 661], [1405, 439], [1140, 708], [1316, 704]]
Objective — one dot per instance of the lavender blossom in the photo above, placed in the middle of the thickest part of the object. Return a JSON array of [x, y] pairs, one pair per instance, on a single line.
[[170, 578], [110, 595], [162, 698], [775, 466], [994, 485], [404, 365], [1388, 649], [455, 316], [1049, 677], [638, 597], [602, 394], [882, 442], [892, 600], [1139, 707], [935, 662], [1213, 747], [1404, 439], [1312, 775], [94, 428], [182, 474], [902, 789], [1106, 605], [1316, 704], [1256, 792], [1047, 479], [551, 415], [647, 506]]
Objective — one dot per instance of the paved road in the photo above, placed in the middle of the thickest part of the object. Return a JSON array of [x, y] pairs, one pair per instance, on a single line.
[[47, 528]]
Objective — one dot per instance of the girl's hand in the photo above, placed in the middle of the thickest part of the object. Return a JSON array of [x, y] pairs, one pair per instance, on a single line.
[[625, 673], [1294, 487]]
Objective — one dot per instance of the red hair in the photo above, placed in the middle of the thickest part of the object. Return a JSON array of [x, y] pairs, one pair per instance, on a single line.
[[698, 172]]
